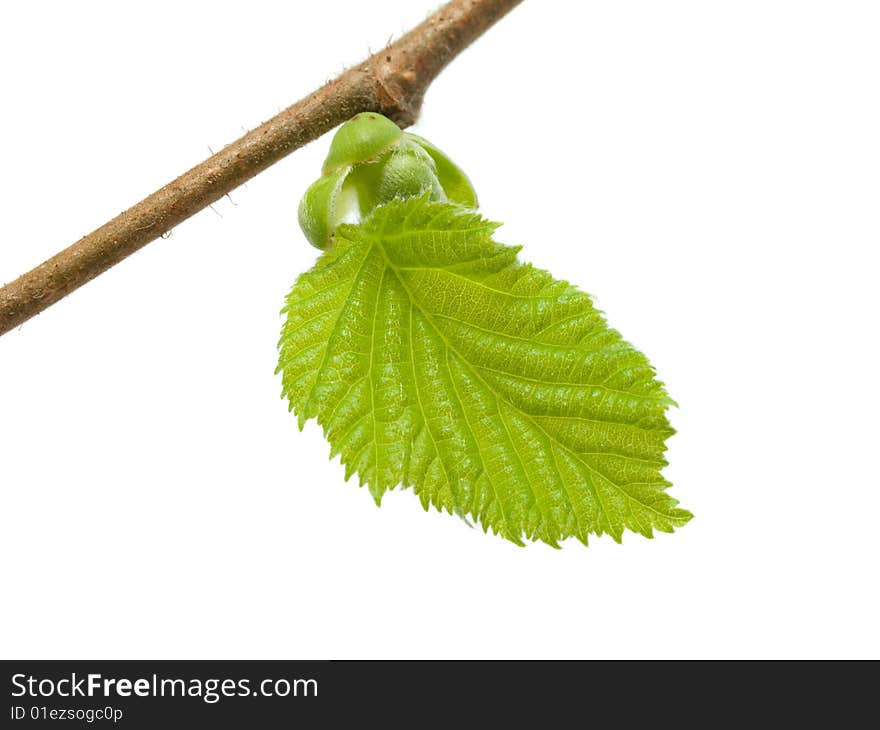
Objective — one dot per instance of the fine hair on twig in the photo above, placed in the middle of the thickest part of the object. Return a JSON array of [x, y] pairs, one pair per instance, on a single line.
[[391, 82]]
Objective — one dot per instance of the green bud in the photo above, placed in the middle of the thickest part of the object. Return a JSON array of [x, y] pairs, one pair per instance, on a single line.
[[408, 171], [361, 139], [371, 162]]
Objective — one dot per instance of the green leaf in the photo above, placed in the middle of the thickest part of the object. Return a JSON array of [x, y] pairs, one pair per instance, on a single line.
[[434, 359]]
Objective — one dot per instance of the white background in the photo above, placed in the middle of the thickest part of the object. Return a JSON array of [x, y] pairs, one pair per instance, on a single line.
[[709, 171]]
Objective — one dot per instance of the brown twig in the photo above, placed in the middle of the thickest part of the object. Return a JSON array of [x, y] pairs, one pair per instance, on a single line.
[[391, 82]]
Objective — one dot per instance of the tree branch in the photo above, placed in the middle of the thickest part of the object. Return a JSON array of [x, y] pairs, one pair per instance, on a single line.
[[391, 82]]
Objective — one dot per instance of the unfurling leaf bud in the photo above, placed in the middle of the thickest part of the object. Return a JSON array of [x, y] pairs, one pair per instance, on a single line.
[[370, 163]]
